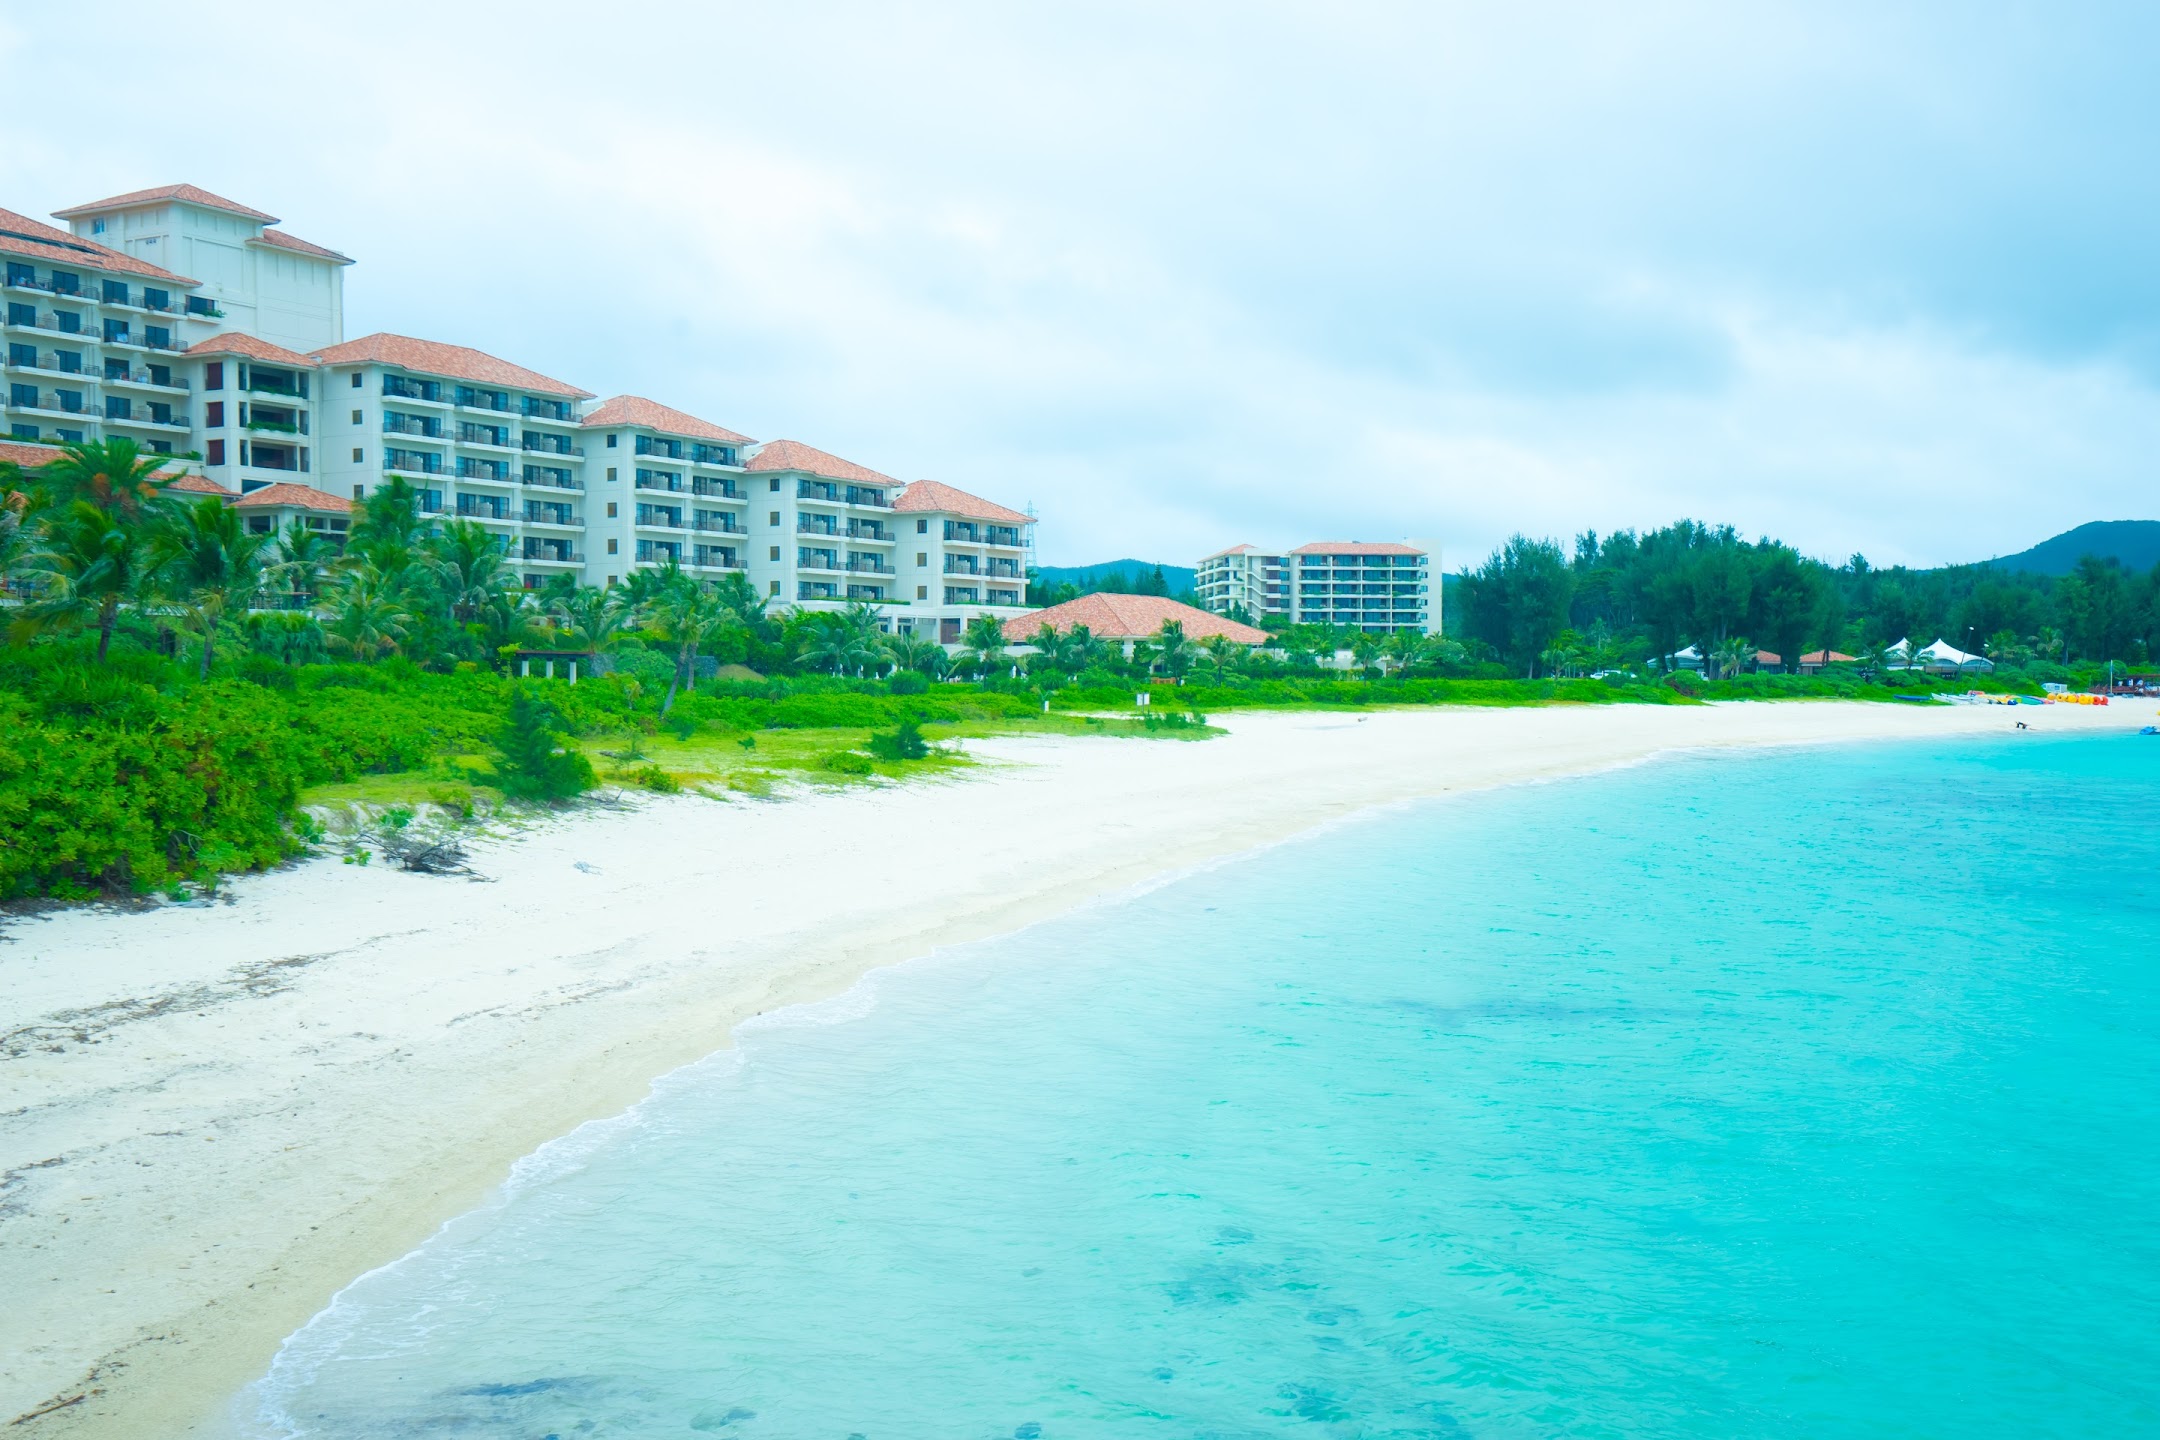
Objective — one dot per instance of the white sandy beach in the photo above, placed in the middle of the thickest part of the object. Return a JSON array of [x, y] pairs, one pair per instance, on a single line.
[[218, 1114]]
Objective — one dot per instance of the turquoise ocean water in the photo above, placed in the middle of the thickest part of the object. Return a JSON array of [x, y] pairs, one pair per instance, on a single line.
[[1801, 1093]]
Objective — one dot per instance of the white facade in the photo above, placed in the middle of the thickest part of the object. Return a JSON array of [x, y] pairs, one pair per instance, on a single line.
[[182, 320], [250, 277], [1379, 588]]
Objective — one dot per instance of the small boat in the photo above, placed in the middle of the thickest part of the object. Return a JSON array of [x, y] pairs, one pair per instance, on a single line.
[[2150, 730]]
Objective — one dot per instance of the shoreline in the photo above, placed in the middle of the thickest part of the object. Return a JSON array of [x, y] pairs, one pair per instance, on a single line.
[[234, 1110]]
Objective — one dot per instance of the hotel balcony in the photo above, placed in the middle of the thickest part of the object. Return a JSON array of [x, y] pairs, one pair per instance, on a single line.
[[551, 552], [659, 552], [412, 462], [817, 525], [28, 358], [714, 557], [492, 472], [866, 592], [661, 448], [869, 565], [427, 427], [560, 516], [532, 407], [660, 517], [817, 560], [148, 417], [483, 507], [726, 455], [552, 477], [68, 404], [842, 494], [962, 565], [816, 590], [869, 530], [496, 436], [541, 442], [56, 322], [715, 524], [405, 387], [662, 480], [152, 377], [962, 595], [715, 489]]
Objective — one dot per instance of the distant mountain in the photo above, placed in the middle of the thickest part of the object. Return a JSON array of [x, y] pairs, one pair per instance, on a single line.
[[1179, 577], [2136, 543]]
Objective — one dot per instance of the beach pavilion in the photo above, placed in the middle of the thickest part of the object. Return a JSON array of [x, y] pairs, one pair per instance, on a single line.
[[1125, 620]]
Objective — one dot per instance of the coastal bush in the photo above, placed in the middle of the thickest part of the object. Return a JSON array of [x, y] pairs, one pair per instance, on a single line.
[[847, 762], [904, 743], [534, 759]]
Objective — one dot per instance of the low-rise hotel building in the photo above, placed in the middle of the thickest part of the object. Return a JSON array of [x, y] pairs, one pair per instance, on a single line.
[[187, 323], [1377, 587]]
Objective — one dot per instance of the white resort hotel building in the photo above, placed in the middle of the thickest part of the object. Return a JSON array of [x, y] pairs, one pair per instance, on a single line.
[[1379, 588], [245, 373]]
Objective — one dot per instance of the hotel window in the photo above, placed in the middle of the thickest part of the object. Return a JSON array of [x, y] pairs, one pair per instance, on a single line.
[[215, 453], [775, 552], [213, 375], [922, 557], [922, 592], [214, 414], [611, 547], [610, 509], [356, 417], [358, 455], [775, 588], [776, 485], [356, 379], [611, 474], [611, 445], [922, 527], [775, 518]]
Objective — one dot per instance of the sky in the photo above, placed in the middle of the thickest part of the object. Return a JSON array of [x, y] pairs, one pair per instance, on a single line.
[[1870, 278]]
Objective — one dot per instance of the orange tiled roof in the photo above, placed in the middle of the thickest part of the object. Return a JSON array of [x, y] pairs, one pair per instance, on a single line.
[[1356, 547], [234, 342], [1825, 657], [1130, 617], [794, 455], [20, 235], [287, 495], [282, 241], [30, 456], [20, 452], [432, 357], [944, 499], [199, 485], [192, 194], [652, 415]]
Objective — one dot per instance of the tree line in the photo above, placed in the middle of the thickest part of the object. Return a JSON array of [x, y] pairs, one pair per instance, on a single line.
[[1630, 599]]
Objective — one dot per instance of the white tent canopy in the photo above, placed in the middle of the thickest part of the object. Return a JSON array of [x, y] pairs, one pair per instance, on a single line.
[[1939, 655]]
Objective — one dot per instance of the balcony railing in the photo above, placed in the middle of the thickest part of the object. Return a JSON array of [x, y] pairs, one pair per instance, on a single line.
[[471, 434], [659, 516], [480, 507], [817, 525], [426, 426], [714, 557], [145, 377], [836, 493], [659, 480], [869, 567], [495, 470], [550, 515], [541, 443], [552, 555], [29, 397], [867, 530], [412, 462], [558, 479], [721, 489], [961, 565], [664, 449]]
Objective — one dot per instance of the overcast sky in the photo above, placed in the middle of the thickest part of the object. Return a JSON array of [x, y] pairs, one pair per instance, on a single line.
[[1867, 277]]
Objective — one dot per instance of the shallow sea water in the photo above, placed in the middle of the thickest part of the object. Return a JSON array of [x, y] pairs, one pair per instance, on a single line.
[[1806, 1093]]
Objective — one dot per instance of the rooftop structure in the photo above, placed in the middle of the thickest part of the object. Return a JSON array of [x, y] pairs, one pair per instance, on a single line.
[[1127, 619]]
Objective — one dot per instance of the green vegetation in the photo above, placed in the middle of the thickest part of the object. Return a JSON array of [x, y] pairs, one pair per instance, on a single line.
[[1625, 600], [179, 691]]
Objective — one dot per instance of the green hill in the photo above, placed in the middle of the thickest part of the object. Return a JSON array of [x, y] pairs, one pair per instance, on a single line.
[[2136, 543], [1179, 578]]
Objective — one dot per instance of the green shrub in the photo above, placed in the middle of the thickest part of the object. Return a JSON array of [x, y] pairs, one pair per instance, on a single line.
[[904, 743], [847, 762], [533, 757], [653, 778]]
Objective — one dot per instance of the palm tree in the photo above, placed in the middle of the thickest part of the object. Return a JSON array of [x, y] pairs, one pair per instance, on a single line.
[[304, 557], [1080, 650], [1732, 657], [839, 642], [367, 613], [469, 562], [387, 535], [206, 558], [113, 475], [918, 652], [983, 643], [2049, 642], [1221, 650], [687, 612], [89, 563], [594, 615], [737, 593], [1173, 652]]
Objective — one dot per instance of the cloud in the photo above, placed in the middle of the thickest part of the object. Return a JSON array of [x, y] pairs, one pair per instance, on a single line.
[[1868, 278]]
